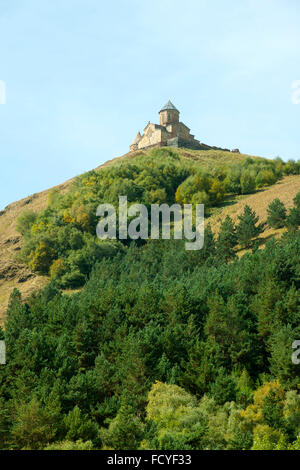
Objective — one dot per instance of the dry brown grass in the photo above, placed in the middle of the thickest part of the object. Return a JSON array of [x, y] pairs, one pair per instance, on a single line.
[[285, 190], [12, 273], [206, 158]]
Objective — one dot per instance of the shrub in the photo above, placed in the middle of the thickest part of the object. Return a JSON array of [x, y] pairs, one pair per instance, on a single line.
[[265, 178], [25, 221], [247, 182], [57, 269], [216, 191], [73, 279], [233, 180], [71, 445], [41, 259]]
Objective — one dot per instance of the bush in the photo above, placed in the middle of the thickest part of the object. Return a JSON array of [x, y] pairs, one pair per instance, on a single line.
[[25, 221], [233, 180], [247, 182], [71, 445], [265, 178], [73, 279], [57, 269], [41, 259]]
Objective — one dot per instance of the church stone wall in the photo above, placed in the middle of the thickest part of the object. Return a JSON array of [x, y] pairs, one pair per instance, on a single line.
[[170, 132], [168, 116], [152, 136]]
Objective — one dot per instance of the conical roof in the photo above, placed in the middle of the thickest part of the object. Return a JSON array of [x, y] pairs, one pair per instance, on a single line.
[[168, 105], [137, 138]]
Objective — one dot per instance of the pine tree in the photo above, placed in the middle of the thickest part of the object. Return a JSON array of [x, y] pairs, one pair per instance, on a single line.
[[276, 214], [227, 240], [293, 219], [247, 229], [297, 200], [209, 247], [244, 388]]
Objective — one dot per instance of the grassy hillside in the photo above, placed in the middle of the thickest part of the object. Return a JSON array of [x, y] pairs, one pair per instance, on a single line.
[[285, 190], [14, 273], [144, 344]]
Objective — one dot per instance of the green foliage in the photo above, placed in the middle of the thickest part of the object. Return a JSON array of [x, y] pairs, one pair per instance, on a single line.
[[205, 329], [125, 431], [62, 238], [247, 229], [227, 239], [247, 181], [244, 388], [178, 419], [296, 200], [34, 425], [266, 438], [276, 214], [70, 445], [223, 389], [293, 219], [162, 348], [41, 259], [200, 188], [79, 427], [265, 178], [25, 221], [57, 269]]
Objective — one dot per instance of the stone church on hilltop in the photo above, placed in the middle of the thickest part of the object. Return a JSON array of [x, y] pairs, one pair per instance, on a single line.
[[169, 132]]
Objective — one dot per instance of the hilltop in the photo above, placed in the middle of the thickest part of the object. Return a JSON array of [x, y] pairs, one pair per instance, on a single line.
[[14, 273]]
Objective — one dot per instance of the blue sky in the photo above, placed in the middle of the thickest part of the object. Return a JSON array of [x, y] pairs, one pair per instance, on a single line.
[[83, 76]]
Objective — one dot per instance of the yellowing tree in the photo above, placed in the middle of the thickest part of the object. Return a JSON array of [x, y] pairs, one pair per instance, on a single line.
[[57, 268], [40, 260], [176, 413], [267, 438], [253, 414]]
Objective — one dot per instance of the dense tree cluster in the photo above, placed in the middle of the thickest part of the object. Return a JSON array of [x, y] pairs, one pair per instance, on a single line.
[[162, 349], [60, 241]]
